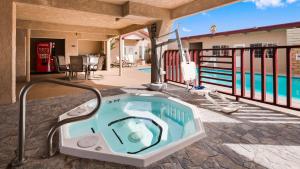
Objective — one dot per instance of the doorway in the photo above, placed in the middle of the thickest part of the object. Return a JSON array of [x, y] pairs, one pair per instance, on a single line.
[[196, 46], [130, 53]]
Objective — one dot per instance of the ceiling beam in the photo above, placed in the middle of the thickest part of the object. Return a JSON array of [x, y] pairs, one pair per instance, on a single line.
[[35, 25], [129, 9], [142, 10], [92, 6], [68, 35], [131, 28], [198, 6]]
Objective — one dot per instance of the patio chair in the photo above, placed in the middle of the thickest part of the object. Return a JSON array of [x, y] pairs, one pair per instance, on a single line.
[[117, 63], [61, 65], [95, 63], [129, 60], [189, 75], [77, 64]]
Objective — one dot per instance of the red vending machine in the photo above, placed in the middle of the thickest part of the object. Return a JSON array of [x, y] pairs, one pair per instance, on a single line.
[[45, 60]]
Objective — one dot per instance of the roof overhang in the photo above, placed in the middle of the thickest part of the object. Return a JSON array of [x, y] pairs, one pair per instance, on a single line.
[[109, 17]]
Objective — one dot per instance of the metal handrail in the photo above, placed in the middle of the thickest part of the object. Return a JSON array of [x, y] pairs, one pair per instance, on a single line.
[[20, 159]]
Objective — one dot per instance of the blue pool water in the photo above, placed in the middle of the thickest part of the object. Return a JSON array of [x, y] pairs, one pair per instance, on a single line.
[[269, 82], [145, 70], [125, 134], [258, 80]]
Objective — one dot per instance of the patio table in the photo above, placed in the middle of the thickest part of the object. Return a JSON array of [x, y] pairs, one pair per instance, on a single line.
[[86, 66]]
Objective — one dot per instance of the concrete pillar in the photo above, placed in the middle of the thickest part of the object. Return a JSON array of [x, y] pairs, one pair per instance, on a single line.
[[21, 55], [108, 54], [143, 49], [121, 53], [71, 44], [7, 52], [28, 36], [155, 30]]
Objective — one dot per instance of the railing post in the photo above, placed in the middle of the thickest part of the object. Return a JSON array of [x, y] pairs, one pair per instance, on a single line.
[[195, 56], [289, 78], [195, 59], [263, 75], [199, 67], [174, 66], [233, 72], [178, 72], [242, 73], [166, 65], [252, 74], [170, 65], [275, 76]]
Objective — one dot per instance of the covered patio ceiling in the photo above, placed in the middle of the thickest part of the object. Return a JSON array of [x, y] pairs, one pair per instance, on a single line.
[[102, 19], [110, 17]]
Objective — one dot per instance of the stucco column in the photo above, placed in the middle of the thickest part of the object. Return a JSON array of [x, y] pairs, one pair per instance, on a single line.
[[7, 52], [28, 35], [108, 54], [155, 30], [143, 49], [121, 53], [21, 55]]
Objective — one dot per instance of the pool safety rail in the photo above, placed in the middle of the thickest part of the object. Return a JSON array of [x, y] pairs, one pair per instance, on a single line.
[[219, 67], [20, 158]]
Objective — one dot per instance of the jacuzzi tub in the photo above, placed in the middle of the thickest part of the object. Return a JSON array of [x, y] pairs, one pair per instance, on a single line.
[[131, 129]]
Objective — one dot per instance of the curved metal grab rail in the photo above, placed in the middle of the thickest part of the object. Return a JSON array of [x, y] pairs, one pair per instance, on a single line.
[[22, 98]]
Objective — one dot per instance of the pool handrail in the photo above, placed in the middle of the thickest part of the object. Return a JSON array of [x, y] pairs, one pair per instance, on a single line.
[[20, 159]]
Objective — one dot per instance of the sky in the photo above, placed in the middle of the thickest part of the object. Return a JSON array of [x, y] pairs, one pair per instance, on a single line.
[[244, 14]]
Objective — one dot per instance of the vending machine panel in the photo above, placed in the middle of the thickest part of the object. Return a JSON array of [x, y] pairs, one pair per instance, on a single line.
[[45, 61]]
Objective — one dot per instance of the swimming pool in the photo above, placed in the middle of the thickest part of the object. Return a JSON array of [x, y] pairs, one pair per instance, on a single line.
[[269, 82], [145, 70], [131, 129]]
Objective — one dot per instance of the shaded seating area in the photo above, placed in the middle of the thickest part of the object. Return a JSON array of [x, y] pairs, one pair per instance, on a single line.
[[81, 64], [127, 61], [95, 63], [78, 65], [117, 63], [61, 65]]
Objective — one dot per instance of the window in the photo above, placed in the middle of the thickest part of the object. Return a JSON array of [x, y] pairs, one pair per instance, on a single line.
[[258, 52], [196, 45], [297, 56], [224, 52], [216, 52], [220, 52], [271, 51]]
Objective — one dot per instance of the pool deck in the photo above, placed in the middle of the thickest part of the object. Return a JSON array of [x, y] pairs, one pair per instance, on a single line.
[[103, 80], [253, 137]]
